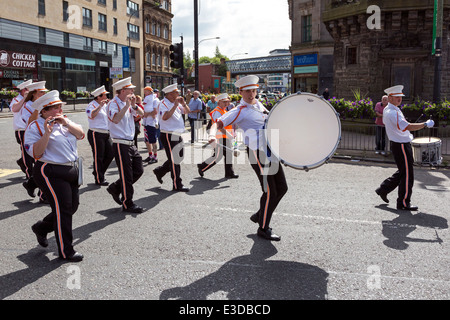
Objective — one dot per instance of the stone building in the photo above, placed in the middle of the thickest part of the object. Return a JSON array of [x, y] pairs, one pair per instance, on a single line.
[[370, 57]]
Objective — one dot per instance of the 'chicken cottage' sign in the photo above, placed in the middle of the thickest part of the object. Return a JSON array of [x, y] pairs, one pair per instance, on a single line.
[[10, 59]]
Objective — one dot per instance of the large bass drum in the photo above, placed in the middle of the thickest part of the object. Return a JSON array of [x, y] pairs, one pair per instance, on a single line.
[[303, 131]]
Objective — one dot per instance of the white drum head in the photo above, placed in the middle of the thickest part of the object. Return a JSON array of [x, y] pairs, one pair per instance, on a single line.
[[425, 140], [303, 130]]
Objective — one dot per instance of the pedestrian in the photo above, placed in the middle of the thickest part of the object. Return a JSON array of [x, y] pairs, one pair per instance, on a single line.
[[250, 116], [137, 121], [380, 135], [188, 96], [194, 115], [171, 109], [150, 123], [121, 112], [98, 135], [4, 103], [52, 140], [210, 106], [224, 141], [29, 114], [326, 94], [19, 126], [156, 102], [399, 133]]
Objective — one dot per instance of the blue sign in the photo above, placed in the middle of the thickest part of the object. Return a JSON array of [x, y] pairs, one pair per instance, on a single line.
[[305, 59], [125, 57]]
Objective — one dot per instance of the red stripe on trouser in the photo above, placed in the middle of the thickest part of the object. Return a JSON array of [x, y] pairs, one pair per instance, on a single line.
[[268, 192], [124, 192], [173, 164], [58, 211], [407, 175]]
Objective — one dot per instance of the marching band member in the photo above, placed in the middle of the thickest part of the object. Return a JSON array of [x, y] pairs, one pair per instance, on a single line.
[[250, 117], [224, 139], [121, 113], [398, 131], [52, 140], [98, 135], [171, 110], [19, 126], [29, 114]]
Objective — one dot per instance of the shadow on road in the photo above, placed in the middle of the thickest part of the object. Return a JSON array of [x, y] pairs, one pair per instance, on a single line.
[[253, 277]]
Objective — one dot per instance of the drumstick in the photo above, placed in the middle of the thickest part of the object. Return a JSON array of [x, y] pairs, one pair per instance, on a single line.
[[429, 138], [236, 152]]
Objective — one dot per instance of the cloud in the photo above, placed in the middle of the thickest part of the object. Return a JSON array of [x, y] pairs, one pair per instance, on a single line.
[[246, 26]]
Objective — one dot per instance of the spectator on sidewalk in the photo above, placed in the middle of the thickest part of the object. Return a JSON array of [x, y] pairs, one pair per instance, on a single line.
[[380, 136], [196, 108]]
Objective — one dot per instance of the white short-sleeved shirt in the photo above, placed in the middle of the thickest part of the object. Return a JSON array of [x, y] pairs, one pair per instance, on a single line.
[[251, 120], [149, 107], [175, 124], [18, 123], [396, 124], [156, 103], [62, 145], [101, 120], [125, 128]]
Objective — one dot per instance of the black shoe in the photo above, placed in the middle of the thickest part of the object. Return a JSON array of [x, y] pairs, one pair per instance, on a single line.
[[147, 159], [408, 207], [382, 195], [268, 234], [21, 165], [232, 176], [41, 239], [200, 171], [158, 177], [76, 257], [30, 189], [255, 217], [181, 189], [116, 196], [133, 209], [103, 183]]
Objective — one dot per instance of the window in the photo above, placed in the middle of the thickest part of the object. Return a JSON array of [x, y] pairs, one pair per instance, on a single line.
[[166, 32], [165, 5], [166, 61], [114, 4], [102, 46], [132, 8], [158, 30], [147, 25], [133, 31], [66, 40], [153, 28], [116, 49], [115, 25], [87, 17], [351, 55], [153, 59], [41, 7], [42, 35], [88, 44], [65, 13], [147, 59], [306, 29], [159, 60], [103, 2], [102, 22]]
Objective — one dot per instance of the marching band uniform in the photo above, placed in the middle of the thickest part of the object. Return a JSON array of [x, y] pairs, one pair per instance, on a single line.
[[19, 126], [251, 119], [398, 131], [224, 145], [127, 157], [55, 171], [35, 90], [98, 136], [171, 130]]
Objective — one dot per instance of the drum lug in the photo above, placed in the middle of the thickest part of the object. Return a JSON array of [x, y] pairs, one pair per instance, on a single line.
[[298, 92], [306, 169]]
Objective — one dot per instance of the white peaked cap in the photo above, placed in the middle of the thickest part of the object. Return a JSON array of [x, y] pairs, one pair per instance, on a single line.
[[223, 96], [247, 83], [170, 88], [99, 91], [124, 84], [39, 86], [395, 91], [49, 99], [23, 85]]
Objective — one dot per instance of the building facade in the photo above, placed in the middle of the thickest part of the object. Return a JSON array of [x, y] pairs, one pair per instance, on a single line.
[[76, 45], [157, 41], [312, 47], [390, 45]]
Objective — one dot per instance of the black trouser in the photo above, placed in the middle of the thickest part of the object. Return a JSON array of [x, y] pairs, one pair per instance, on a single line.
[[403, 178], [380, 138], [173, 145], [223, 147], [192, 124], [273, 184], [102, 153], [25, 158], [129, 164], [60, 186]]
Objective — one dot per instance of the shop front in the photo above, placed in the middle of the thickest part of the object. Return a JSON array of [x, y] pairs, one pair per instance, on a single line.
[[15, 67], [305, 73]]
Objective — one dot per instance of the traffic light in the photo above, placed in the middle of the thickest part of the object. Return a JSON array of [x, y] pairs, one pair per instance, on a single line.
[[176, 56]]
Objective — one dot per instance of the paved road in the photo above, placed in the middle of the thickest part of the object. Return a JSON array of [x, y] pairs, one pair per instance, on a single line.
[[339, 240]]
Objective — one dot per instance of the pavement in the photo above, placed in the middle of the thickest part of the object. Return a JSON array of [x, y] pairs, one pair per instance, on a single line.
[[340, 241]]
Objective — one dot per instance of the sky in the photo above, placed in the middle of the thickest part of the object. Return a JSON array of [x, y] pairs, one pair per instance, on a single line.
[[255, 27]]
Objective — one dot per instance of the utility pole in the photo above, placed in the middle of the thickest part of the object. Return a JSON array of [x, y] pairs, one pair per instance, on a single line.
[[437, 48], [196, 42]]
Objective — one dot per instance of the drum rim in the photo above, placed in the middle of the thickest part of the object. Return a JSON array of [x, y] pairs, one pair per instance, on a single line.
[[329, 156]]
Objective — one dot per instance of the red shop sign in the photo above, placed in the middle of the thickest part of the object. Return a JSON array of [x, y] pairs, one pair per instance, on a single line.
[[9, 59]]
